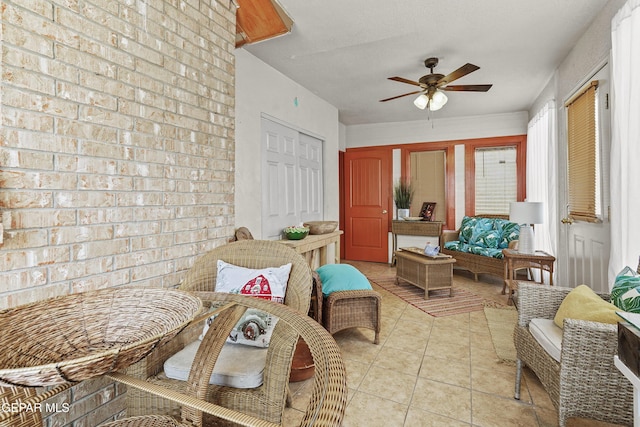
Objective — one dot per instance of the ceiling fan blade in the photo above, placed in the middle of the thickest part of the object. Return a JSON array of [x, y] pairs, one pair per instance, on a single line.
[[400, 96], [403, 80], [460, 72], [469, 88]]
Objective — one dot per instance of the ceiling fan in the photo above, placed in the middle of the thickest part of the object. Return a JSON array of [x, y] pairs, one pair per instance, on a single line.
[[432, 85]]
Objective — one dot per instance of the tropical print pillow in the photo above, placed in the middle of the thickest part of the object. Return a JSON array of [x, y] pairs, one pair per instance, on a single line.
[[626, 291]]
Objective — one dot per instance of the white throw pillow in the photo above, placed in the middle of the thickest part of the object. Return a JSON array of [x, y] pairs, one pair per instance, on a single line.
[[268, 283], [255, 327]]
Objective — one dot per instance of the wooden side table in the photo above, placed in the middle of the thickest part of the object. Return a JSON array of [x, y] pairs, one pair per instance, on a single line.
[[311, 244], [515, 261]]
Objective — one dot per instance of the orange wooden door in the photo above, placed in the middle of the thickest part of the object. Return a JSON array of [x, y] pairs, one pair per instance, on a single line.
[[367, 181]]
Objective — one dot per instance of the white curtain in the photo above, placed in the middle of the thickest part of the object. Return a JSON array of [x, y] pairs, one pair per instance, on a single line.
[[542, 175], [625, 139]]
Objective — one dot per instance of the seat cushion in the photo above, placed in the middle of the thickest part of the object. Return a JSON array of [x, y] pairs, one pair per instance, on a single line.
[[341, 277], [238, 366], [548, 335]]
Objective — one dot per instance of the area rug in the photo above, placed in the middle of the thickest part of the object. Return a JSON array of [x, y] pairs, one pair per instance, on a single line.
[[502, 321], [439, 303]]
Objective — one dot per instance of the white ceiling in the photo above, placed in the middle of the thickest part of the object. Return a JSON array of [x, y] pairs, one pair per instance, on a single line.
[[344, 50]]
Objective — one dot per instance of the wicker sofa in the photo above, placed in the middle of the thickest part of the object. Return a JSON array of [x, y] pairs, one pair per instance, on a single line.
[[585, 382], [477, 245]]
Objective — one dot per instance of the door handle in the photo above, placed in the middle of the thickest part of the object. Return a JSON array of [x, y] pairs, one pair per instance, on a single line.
[[567, 220], [384, 211]]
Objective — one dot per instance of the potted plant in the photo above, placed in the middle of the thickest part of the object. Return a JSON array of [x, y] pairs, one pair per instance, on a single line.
[[402, 196]]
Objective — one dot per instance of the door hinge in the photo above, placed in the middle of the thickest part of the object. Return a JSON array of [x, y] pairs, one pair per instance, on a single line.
[[606, 101]]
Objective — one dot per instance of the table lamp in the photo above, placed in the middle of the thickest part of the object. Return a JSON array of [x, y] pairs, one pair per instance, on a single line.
[[525, 214]]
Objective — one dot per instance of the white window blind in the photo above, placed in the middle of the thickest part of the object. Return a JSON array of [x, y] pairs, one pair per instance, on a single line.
[[496, 179]]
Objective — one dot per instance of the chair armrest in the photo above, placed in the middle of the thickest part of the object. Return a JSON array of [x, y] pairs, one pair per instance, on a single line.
[[587, 353], [449, 236], [513, 244]]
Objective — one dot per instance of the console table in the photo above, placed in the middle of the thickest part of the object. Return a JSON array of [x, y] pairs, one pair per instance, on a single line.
[[413, 228], [313, 243]]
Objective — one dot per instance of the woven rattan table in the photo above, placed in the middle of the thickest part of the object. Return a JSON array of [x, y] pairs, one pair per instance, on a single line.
[[515, 261], [428, 273]]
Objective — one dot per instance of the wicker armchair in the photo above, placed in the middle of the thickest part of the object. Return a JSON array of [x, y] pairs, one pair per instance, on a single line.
[[22, 418], [585, 383], [267, 401], [30, 397], [328, 401]]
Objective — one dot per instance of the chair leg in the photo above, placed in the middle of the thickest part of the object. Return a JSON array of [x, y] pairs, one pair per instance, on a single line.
[[518, 379]]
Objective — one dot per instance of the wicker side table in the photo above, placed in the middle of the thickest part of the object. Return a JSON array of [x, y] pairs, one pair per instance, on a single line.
[[515, 261]]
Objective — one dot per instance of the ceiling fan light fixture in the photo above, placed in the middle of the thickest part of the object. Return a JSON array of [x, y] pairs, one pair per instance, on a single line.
[[421, 101], [438, 99]]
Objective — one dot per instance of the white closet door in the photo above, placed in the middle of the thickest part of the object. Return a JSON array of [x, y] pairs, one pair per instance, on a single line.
[[291, 178], [310, 166]]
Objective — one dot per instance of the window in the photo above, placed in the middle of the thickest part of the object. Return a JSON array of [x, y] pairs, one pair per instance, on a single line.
[[583, 155], [496, 179], [428, 175]]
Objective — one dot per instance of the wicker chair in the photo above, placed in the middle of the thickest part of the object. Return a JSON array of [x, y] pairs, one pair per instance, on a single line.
[[585, 383], [267, 401], [10, 395], [31, 397], [329, 396]]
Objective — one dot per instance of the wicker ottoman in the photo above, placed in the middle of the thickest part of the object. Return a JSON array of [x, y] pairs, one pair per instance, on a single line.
[[352, 309]]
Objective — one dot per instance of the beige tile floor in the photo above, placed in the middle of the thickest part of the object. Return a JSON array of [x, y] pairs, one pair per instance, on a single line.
[[429, 371]]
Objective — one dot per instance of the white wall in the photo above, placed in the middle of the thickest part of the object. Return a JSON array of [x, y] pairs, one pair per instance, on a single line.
[[437, 130], [262, 90]]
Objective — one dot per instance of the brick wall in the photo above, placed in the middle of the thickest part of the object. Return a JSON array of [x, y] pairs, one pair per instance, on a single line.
[[116, 149]]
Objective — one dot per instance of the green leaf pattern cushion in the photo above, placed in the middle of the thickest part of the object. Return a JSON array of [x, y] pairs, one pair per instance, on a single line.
[[625, 293], [486, 239], [466, 228], [510, 232], [457, 245], [481, 227], [488, 252]]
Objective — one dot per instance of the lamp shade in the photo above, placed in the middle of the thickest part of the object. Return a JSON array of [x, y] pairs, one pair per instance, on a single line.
[[421, 101], [438, 99], [526, 212]]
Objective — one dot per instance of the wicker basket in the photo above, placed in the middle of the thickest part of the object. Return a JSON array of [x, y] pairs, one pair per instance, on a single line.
[[80, 336], [321, 227]]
